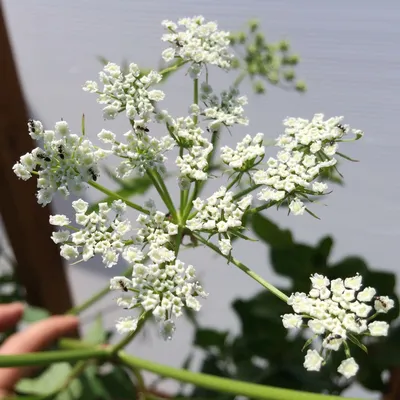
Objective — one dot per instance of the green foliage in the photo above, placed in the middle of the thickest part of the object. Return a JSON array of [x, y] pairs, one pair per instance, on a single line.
[[84, 380], [263, 352]]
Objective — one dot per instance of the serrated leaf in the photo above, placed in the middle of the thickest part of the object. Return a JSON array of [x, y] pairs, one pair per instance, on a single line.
[[46, 383], [33, 314]]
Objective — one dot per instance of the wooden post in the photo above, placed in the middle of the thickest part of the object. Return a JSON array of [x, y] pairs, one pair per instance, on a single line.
[[39, 266]]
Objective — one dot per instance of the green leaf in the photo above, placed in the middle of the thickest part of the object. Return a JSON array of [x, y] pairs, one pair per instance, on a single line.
[[46, 383], [93, 387], [96, 333], [33, 314], [206, 338], [118, 384], [270, 233]]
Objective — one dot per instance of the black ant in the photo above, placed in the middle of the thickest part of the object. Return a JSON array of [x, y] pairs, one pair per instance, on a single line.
[[31, 125], [381, 301], [123, 285], [333, 337], [60, 149], [341, 127], [178, 43], [143, 128], [43, 157], [93, 174]]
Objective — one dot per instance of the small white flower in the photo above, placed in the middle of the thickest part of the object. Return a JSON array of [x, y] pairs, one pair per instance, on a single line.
[[291, 321], [353, 282], [316, 326], [378, 328], [383, 304], [297, 207], [313, 361], [225, 246], [366, 294], [348, 368], [126, 324], [59, 220], [319, 281]]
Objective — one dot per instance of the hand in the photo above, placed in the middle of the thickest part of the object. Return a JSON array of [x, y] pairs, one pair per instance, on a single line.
[[34, 338]]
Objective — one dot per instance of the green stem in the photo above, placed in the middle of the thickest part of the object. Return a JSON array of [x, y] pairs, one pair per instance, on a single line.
[[160, 179], [265, 206], [224, 385], [166, 198], [195, 96], [172, 68], [237, 179], [189, 204], [93, 299], [130, 336], [245, 269], [114, 195], [245, 191], [239, 78], [49, 357]]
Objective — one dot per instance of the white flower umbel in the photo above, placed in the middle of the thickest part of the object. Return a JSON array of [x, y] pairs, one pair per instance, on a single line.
[[140, 152], [97, 232], [65, 163], [247, 154], [219, 214], [339, 312], [224, 111], [188, 135], [160, 282], [200, 43], [308, 147], [130, 92]]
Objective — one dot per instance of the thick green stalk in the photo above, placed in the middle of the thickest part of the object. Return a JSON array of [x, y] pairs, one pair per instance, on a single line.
[[225, 385], [245, 269], [49, 357], [118, 197]]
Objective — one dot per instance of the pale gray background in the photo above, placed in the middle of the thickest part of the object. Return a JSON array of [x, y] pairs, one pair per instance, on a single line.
[[350, 61]]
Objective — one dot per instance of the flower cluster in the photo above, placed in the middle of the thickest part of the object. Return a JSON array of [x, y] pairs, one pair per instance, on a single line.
[[226, 111], [200, 43], [140, 152], [219, 213], [248, 153], [193, 165], [65, 163], [307, 147], [126, 92], [98, 232], [337, 310], [162, 287]]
